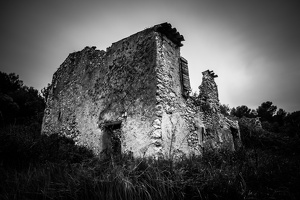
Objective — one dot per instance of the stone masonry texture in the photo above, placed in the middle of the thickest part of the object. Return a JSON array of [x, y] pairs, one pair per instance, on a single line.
[[133, 93]]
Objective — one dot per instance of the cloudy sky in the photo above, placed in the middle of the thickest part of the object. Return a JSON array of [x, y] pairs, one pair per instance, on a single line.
[[254, 45]]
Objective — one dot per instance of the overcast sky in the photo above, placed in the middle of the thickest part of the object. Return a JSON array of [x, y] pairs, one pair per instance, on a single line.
[[253, 46]]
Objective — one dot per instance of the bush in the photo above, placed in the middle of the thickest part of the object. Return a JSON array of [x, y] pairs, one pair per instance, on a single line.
[[56, 148], [22, 145]]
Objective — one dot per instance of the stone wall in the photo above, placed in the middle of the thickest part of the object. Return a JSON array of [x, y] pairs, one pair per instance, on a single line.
[[175, 119], [68, 102], [219, 130], [134, 98], [93, 88]]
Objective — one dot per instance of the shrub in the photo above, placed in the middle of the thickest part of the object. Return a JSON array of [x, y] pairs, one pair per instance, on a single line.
[[22, 145]]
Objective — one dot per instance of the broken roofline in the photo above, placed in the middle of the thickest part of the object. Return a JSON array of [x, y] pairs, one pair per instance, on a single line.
[[171, 33], [211, 73], [165, 29]]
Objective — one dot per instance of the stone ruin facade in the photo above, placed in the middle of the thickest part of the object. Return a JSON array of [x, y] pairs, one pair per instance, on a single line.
[[134, 98]]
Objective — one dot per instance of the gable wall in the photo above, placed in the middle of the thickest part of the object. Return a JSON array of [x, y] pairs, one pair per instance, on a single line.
[[92, 88]]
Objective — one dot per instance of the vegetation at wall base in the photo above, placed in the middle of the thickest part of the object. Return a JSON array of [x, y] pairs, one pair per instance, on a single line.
[[52, 167]]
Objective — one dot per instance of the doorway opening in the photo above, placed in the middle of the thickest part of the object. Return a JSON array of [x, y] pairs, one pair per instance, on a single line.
[[236, 139], [112, 138]]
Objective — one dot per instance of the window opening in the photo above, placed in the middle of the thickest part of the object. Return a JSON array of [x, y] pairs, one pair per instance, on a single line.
[[235, 137], [184, 77]]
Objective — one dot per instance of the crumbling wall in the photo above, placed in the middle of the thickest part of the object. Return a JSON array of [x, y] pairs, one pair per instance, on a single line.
[[176, 119], [209, 100], [69, 98], [131, 85], [135, 95], [93, 88], [219, 130]]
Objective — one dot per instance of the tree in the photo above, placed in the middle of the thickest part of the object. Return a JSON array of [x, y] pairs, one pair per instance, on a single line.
[[292, 123], [9, 82], [242, 111], [266, 111], [31, 104], [225, 109], [45, 92], [8, 109], [19, 104], [280, 116]]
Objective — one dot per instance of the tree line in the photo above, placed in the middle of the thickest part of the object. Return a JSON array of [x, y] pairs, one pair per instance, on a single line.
[[272, 119]]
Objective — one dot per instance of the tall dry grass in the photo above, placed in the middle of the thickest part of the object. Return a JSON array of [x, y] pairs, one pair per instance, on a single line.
[[61, 170]]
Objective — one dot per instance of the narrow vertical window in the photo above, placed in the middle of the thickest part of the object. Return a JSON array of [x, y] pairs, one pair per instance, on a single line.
[[184, 77]]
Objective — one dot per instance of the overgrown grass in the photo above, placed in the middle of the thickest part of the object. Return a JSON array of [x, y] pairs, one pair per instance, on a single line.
[[64, 171]]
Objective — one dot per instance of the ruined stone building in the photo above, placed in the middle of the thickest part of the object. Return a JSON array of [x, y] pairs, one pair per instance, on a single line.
[[134, 97]]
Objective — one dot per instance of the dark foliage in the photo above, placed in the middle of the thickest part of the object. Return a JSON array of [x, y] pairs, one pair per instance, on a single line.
[[19, 104], [263, 172], [273, 121], [21, 146], [242, 111], [280, 117], [266, 111], [45, 92], [224, 109], [292, 124]]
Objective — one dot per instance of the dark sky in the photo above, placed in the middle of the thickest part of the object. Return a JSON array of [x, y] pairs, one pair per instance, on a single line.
[[254, 46]]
